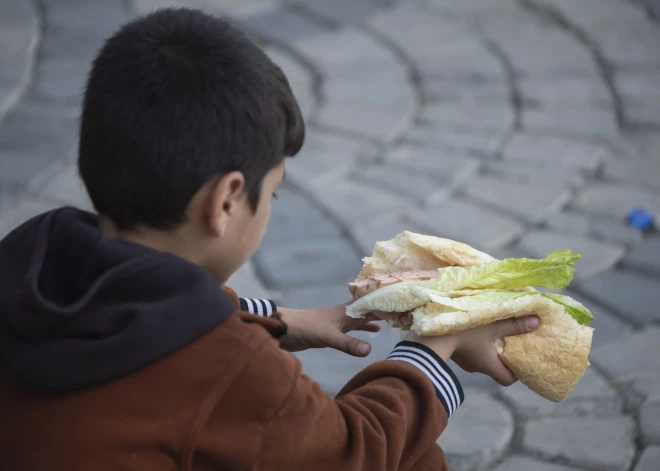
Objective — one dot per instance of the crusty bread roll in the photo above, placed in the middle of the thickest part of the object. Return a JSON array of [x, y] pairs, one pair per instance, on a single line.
[[550, 360]]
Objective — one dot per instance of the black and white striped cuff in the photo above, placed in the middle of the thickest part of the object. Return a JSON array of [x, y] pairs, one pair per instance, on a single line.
[[261, 307], [447, 387]]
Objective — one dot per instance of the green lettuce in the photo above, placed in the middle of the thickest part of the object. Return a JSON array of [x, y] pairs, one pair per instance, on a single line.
[[492, 283], [554, 271], [580, 313], [484, 298]]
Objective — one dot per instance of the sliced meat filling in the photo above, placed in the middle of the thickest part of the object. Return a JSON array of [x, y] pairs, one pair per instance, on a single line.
[[364, 287]]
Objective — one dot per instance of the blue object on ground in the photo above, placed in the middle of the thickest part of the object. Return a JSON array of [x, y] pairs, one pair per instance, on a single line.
[[640, 218]]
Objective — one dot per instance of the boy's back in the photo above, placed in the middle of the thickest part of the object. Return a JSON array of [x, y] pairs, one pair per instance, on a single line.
[[94, 382]]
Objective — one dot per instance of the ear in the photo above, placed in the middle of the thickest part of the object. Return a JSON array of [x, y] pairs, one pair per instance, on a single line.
[[225, 197]]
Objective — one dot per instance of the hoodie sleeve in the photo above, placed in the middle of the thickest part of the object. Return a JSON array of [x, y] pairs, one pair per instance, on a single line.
[[388, 417]]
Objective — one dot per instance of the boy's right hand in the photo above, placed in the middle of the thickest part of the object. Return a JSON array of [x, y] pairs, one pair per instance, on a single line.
[[474, 350]]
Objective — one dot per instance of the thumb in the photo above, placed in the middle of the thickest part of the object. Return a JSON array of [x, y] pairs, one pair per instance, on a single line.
[[351, 345], [517, 326]]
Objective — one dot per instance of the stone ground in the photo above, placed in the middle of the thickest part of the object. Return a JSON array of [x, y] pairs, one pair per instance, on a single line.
[[518, 126]]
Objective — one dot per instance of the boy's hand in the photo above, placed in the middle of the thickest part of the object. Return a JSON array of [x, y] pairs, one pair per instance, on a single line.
[[474, 350], [325, 327]]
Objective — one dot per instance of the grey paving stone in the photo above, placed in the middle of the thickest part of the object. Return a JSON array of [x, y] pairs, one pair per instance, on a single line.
[[645, 385], [630, 51], [355, 203], [413, 29], [569, 92], [67, 188], [18, 27], [78, 43], [602, 443], [615, 201], [281, 25], [409, 183], [316, 296], [246, 283], [597, 256], [523, 463], [530, 172], [295, 222], [592, 396], [629, 357], [33, 134], [332, 369], [61, 79], [478, 433], [99, 18], [444, 168], [452, 116], [593, 122], [343, 11], [649, 420], [19, 213], [646, 256], [642, 113], [314, 166], [574, 223], [538, 51], [463, 59], [375, 88], [630, 294], [308, 262], [554, 152], [469, 93], [466, 222], [637, 84], [453, 141], [533, 202], [607, 325], [16, 13], [324, 157], [345, 47], [650, 457], [366, 235], [641, 172], [374, 121], [295, 71]]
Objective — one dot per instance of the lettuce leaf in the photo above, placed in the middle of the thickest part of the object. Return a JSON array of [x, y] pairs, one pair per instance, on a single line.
[[554, 271], [485, 298], [481, 298], [466, 288], [580, 313]]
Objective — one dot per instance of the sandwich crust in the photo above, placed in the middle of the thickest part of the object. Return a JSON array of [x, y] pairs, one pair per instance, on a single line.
[[409, 251], [550, 361]]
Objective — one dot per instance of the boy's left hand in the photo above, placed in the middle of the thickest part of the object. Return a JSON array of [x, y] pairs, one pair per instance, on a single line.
[[325, 327]]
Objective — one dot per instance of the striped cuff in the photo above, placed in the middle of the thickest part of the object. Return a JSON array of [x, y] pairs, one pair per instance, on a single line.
[[261, 307], [447, 387]]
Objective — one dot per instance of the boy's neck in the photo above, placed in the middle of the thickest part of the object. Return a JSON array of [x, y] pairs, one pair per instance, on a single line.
[[176, 242]]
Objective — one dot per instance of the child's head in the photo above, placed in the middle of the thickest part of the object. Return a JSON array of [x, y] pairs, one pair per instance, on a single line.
[[185, 128]]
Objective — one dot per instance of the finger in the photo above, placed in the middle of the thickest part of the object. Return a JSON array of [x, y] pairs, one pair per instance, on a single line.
[[517, 326], [347, 344], [369, 328], [500, 373]]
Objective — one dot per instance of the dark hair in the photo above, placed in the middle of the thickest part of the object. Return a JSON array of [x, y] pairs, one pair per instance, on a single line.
[[173, 99]]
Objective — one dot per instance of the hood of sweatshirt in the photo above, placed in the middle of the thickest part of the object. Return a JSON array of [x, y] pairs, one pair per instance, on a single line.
[[78, 309]]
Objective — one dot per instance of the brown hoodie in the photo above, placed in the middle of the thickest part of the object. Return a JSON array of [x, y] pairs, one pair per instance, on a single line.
[[227, 399]]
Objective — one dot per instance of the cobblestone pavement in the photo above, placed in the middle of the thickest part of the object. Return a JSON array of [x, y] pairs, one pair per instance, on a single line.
[[516, 126]]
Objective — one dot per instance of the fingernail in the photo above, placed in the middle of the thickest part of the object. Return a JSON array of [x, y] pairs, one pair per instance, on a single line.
[[363, 349], [532, 323]]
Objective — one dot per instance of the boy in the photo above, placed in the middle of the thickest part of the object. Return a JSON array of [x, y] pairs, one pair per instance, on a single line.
[[119, 350]]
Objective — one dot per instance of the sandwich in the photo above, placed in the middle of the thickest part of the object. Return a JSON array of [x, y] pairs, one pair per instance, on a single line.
[[436, 286]]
